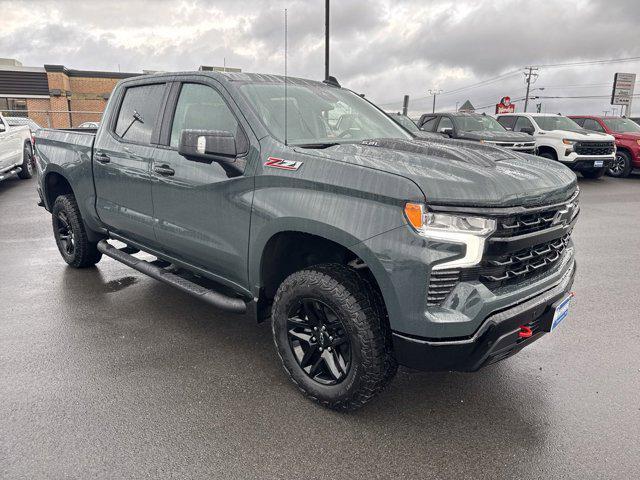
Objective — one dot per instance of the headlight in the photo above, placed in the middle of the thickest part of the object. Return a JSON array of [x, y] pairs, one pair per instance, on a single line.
[[566, 141], [468, 230]]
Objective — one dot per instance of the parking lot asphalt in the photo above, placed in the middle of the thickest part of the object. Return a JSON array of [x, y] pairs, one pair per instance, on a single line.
[[106, 373]]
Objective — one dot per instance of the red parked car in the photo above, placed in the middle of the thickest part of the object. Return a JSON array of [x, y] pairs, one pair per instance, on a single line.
[[627, 135]]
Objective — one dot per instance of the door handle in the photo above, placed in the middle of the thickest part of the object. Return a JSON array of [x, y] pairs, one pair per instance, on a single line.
[[164, 170], [102, 157]]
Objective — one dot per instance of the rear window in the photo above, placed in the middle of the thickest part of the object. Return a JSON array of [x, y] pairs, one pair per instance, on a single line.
[[138, 113]]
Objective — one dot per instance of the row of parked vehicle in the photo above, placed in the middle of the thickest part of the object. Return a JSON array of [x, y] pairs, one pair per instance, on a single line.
[[591, 145]]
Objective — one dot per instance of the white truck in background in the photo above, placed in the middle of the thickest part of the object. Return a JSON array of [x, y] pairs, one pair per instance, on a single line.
[[16, 151], [560, 138]]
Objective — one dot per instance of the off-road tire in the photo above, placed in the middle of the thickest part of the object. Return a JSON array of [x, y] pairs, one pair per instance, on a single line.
[[27, 162], [358, 306], [594, 174], [84, 253], [624, 160]]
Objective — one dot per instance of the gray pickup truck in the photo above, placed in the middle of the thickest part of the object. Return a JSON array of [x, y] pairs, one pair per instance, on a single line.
[[302, 203]]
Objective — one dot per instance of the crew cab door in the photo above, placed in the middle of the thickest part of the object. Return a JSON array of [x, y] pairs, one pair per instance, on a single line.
[[123, 154], [201, 212]]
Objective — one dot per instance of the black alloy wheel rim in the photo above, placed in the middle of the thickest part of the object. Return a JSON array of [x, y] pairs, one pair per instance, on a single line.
[[319, 342], [65, 233], [618, 165]]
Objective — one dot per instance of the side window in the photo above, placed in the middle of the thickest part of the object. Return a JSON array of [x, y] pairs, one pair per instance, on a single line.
[[579, 121], [200, 107], [445, 122], [591, 124], [522, 122], [507, 122], [138, 112], [429, 123]]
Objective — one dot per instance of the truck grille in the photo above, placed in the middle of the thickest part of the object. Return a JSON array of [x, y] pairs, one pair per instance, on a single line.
[[441, 283], [525, 223], [515, 267], [524, 246], [594, 148]]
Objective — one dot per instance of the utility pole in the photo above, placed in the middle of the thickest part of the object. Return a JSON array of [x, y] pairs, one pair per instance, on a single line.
[[529, 74], [405, 105], [326, 39], [434, 92]]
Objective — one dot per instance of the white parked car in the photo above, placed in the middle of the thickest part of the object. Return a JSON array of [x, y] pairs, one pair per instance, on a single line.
[[16, 151], [560, 138]]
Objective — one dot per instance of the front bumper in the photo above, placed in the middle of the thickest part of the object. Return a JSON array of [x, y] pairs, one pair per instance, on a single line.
[[496, 339]]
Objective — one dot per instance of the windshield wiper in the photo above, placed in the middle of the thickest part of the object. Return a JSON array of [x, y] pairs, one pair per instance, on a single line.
[[316, 145]]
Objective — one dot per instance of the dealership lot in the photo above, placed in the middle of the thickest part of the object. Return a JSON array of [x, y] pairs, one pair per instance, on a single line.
[[108, 373]]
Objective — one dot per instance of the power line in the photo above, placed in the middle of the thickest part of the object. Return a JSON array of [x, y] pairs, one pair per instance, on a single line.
[[512, 73]]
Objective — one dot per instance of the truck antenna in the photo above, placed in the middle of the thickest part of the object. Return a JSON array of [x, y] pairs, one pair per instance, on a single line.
[[286, 99]]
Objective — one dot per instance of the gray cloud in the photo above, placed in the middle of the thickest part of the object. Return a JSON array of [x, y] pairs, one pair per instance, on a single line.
[[383, 48]]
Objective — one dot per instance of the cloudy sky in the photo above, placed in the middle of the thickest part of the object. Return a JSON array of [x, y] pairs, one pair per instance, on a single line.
[[382, 48]]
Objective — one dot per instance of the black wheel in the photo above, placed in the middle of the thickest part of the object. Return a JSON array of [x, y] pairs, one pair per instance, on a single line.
[[621, 166], [332, 336], [71, 235], [594, 174], [28, 162], [548, 155]]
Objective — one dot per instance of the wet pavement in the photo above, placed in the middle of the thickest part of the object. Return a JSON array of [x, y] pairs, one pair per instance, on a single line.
[[105, 373]]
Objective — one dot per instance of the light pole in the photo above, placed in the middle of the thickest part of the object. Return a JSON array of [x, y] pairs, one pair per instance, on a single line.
[[434, 92], [326, 40]]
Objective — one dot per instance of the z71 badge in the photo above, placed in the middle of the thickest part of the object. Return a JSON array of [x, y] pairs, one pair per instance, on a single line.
[[274, 162]]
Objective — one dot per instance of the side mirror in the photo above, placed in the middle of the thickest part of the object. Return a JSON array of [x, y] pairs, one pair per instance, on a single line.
[[446, 131], [207, 145], [529, 130]]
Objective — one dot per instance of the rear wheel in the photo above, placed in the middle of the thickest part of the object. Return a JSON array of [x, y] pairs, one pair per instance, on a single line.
[[594, 174], [621, 166], [28, 162], [331, 337], [71, 235]]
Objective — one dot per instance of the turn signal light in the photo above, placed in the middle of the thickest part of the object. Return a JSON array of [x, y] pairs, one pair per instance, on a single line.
[[415, 214]]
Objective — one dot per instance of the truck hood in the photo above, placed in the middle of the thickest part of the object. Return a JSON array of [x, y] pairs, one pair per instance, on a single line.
[[461, 173], [627, 136], [571, 135], [496, 136]]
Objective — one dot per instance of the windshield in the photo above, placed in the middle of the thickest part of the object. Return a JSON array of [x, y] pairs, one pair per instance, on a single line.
[[478, 123], [556, 122], [319, 114], [622, 125], [406, 122]]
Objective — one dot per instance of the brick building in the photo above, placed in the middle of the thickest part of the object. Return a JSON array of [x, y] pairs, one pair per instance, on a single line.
[[53, 95]]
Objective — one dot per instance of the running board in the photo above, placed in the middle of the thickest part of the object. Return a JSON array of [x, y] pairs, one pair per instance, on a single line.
[[219, 300], [13, 171]]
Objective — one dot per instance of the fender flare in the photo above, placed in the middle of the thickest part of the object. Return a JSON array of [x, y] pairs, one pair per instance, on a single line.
[[328, 232]]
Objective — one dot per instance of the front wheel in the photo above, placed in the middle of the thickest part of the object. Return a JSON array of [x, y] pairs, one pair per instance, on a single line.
[[71, 235], [621, 166], [332, 336], [27, 162], [594, 174]]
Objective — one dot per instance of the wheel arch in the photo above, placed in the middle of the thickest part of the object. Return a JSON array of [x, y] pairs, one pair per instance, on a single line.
[[548, 149], [55, 184], [288, 250]]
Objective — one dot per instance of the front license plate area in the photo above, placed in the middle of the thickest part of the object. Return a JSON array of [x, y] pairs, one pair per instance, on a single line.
[[561, 311], [598, 163]]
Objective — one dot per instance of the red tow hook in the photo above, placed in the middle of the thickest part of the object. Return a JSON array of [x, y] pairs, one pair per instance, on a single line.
[[525, 332]]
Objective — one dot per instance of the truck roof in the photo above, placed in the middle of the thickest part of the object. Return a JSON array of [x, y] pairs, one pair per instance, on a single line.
[[228, 77]]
